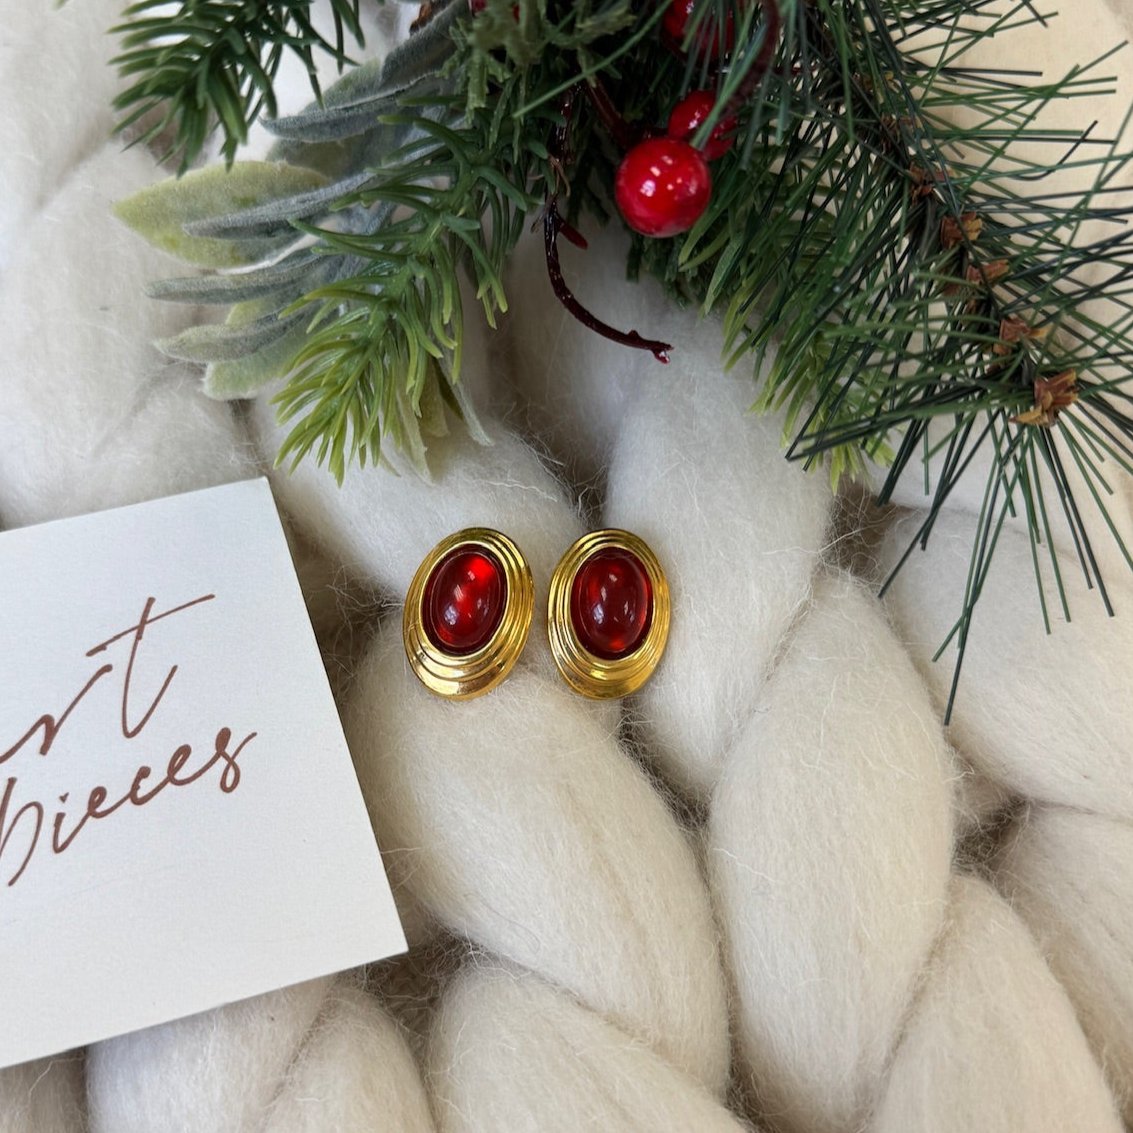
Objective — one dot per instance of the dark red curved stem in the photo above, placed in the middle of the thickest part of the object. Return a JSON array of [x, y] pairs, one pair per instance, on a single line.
[[553, 224], [624, 135]]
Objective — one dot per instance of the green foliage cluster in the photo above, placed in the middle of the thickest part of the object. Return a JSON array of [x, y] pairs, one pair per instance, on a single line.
[[214, 62], [880, 243]]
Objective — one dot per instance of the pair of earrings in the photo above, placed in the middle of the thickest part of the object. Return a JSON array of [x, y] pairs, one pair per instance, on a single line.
[[470, 606]]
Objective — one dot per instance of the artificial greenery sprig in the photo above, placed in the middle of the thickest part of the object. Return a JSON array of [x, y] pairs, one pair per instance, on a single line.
[[400, 313], [214, 62], [880, 242]]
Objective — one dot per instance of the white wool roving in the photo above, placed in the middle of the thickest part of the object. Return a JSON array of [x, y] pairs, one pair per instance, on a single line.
[[91, 415], [356, 1072], [318, 1056], [56, 113], [1044, 716], [519, 823], [829, 846], [511, 1053], [993, 1043], [44, 1096], [218, 1070], [1036, 712], [1070, 876], [1120, 9]]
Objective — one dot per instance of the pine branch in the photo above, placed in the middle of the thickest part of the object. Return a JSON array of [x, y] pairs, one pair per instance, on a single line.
[[918, 299], [389, 335], [925, 292], [212, 63]]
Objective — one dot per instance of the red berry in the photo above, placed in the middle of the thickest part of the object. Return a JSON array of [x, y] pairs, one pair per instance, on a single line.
[[674, 25], [691, 112], [662, 187]]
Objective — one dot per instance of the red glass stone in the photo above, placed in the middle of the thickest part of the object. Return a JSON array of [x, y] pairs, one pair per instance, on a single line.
[[611, 603], [464, 600], [662, 186]]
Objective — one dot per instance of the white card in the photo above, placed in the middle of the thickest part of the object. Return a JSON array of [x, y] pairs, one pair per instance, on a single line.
[[171, 636]]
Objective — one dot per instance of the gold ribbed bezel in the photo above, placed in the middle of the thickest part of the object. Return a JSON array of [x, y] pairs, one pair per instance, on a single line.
[[461, 678], [593, 676]]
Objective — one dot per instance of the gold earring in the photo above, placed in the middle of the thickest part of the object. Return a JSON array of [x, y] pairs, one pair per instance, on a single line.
[[468, 613], [608, 614]]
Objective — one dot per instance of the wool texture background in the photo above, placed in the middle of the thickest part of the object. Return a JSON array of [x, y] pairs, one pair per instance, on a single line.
[[771, 891]]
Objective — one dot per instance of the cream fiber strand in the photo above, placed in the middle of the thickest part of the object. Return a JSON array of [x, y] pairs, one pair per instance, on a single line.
[[1048, 718], [1067, 873], [832, 819], [318, 1056], [91, 415], [56, 115], [974, 1029], [608, 944], [355, 1072], [510, 1052], [217, 1070], [44, 1096], [560, 855]]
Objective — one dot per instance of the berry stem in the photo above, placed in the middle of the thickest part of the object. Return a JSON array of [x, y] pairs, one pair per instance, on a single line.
[[624, 135], [553, 224]]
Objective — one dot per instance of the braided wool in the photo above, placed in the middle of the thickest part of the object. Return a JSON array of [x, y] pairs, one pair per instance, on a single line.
[[737, 902]]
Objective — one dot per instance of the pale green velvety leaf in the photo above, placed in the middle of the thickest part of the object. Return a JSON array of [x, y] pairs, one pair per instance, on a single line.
[[332, 159], [160, 212], [468, 414], [276, 215], [423, 53], [237, 287], [433, 410], [455, 394], [335, 123], [243, 377], [225, 342], [410, 440], [356, 84], [340, 159], [350, 107]]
